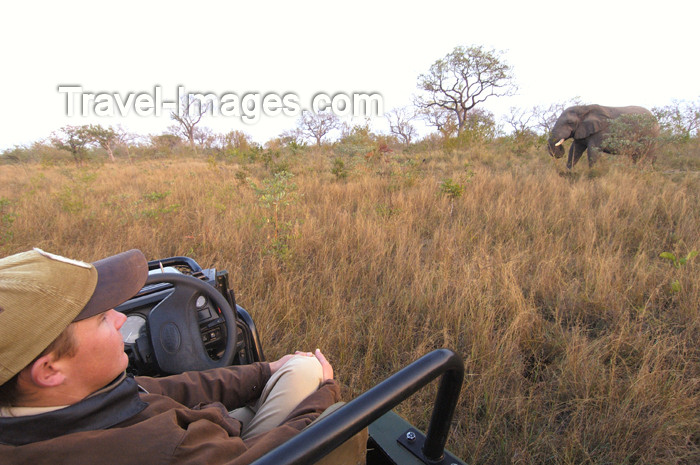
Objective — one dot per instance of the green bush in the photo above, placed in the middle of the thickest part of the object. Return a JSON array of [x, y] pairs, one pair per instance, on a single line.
[[358, 140], [633, 136], [338, 169], [479, 129], [451, 189]]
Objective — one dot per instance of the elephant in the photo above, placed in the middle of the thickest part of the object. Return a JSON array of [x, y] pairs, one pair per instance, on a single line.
[[588, 125]]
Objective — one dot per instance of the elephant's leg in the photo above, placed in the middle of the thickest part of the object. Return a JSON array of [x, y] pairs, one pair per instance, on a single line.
[[570, 161], [575, 152], [593, 155]]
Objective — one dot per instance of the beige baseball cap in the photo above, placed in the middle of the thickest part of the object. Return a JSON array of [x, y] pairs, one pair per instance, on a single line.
[[42, 293]]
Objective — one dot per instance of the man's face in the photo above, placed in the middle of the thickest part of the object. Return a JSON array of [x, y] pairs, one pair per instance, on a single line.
[[100, 355]]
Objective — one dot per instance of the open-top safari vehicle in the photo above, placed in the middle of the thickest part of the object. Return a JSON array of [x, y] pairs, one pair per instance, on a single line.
[[186, 318]]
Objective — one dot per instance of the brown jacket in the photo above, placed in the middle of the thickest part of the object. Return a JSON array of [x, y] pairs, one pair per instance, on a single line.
[[183, 419]]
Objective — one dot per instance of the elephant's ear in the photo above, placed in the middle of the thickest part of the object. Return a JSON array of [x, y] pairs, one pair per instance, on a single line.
[[587, 127]]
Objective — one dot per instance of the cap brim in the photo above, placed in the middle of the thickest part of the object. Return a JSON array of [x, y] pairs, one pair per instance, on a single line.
[[119, 278]]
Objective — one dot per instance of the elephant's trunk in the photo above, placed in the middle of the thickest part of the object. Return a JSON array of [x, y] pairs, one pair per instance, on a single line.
[[555, 147]]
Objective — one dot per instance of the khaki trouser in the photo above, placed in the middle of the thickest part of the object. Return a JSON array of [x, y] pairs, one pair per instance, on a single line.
[[286, 388]]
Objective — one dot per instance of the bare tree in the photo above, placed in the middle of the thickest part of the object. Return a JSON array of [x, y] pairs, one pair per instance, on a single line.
[[191, 112], [205, 137], [681, 119], [545, 117], [317, 125], [462, 79], [127, 140], [400, 124], [293, 137], [521, 120]]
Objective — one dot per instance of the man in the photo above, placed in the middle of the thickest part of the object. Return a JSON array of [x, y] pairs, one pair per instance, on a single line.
[[65, 397]]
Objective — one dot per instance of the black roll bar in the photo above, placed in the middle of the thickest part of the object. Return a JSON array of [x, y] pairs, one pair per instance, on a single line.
[[330, 432]]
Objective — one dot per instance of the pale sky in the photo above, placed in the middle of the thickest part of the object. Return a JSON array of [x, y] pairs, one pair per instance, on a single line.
[[609, 52]]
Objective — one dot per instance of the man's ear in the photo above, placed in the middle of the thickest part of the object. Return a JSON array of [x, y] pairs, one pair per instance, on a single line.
[[45, 372]]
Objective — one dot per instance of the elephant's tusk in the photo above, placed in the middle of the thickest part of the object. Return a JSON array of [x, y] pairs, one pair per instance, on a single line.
[[559, 143]]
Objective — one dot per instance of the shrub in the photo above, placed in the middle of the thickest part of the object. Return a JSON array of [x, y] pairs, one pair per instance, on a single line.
[[451, 189], [338, 169], [275, 195], [479, 129], [633, 136], [356, 140]]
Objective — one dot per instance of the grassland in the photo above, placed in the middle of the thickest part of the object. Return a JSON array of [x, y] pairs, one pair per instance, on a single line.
[[581, 344]]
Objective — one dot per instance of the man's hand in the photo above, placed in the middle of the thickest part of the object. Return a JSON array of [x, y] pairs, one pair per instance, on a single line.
[[325, 365], [276, 365], [327, 368]]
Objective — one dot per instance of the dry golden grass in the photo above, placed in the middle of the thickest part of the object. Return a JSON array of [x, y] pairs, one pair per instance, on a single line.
[[549, 284]]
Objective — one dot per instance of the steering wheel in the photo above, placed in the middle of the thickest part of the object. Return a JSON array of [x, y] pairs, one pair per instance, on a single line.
[[174, 329]]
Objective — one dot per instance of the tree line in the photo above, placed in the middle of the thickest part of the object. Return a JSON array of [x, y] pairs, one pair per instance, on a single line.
[[451, 95]]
